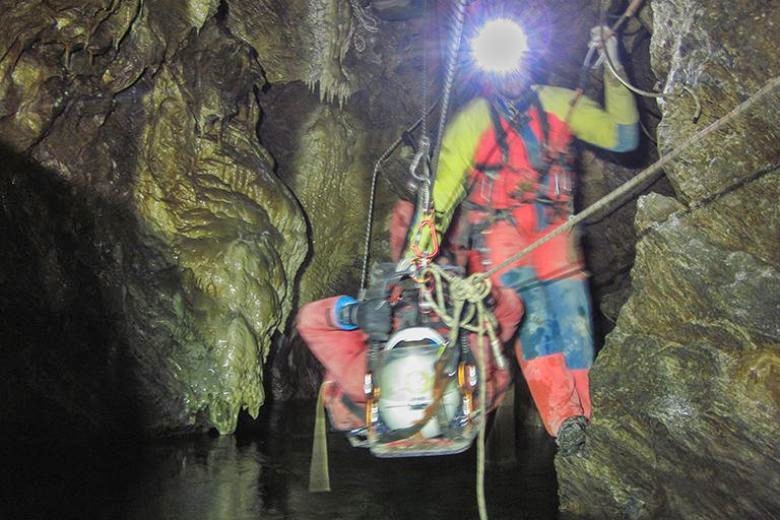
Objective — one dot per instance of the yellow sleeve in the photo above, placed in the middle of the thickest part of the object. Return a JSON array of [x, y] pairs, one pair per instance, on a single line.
[[614, 127], [456, 159]]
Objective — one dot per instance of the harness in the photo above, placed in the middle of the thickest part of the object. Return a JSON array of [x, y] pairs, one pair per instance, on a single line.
[[551, 191]]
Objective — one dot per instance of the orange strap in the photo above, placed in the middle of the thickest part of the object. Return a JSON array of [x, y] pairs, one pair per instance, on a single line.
[[421, 255]]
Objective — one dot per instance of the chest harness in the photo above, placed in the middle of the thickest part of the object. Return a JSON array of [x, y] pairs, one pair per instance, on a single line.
[[550, 156]]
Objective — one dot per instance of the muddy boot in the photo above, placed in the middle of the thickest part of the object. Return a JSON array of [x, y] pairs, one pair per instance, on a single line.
[[571, 436]]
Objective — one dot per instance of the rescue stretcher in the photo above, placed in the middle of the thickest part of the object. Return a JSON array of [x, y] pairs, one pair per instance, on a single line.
[[422, 384]]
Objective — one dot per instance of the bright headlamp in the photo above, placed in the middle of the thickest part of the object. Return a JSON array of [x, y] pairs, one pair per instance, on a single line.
[[499, 46]]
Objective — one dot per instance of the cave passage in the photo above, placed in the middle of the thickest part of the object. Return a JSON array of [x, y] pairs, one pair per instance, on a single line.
[[178, 178]]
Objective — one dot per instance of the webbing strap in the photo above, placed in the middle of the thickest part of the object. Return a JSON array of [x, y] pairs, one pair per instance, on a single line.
[[354, 408], [537, 150], [500, 133], [534, 149], [319, 476]]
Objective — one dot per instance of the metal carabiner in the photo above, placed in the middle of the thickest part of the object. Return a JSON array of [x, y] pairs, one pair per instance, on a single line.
[[427, 220], [422, 151]]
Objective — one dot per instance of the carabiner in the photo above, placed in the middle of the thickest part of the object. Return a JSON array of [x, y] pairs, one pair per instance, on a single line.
[[421, 255], [422, 151]]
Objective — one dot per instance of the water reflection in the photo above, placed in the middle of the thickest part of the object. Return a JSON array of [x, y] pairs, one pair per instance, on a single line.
[[214, 478], [262, 474]]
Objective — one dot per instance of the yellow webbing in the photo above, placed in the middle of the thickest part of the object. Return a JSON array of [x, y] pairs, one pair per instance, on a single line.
[[319, 477]]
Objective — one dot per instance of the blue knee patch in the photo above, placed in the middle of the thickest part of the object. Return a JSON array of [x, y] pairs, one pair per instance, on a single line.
[[571, 311], [538, 330]]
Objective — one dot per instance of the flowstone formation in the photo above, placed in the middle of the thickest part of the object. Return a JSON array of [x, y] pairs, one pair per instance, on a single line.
[[171, 169], [327, 130], [152, 250], [685, 389]]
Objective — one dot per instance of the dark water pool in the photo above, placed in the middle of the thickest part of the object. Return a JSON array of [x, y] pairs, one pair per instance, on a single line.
[[262, 473]]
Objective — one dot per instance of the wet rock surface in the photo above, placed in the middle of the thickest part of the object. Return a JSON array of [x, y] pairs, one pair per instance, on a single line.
[[685, 387], [152, 228], [163, 244]]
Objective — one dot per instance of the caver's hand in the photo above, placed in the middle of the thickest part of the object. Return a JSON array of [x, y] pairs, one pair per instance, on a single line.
[[602, 38], [374, 318]]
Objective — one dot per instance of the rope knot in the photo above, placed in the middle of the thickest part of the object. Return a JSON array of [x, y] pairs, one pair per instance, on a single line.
[[473, 289]]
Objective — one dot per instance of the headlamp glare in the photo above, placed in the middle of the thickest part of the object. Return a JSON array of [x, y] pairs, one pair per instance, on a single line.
[[500, 46]]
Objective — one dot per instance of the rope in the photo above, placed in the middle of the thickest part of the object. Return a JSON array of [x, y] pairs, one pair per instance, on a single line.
[[611, 67], [459, 9], [424, 84], [460, 15], [472, 291], [642, 177], [372, 193], [481, 505], [632, 8], [629, 12]]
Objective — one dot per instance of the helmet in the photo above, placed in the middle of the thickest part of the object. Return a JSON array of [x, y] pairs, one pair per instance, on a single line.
[[406, 377], [415, 336]]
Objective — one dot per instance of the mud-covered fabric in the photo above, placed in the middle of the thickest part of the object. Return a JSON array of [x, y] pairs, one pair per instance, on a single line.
[[557, 317]]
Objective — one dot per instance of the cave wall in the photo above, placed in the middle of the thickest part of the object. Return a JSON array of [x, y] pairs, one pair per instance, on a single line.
[[685, 390], [328, 134], [177, 177], [152, 248]]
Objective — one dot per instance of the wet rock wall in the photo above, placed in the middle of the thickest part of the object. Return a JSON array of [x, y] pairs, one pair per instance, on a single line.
[[146, 227], [685, 389], [178, 177]]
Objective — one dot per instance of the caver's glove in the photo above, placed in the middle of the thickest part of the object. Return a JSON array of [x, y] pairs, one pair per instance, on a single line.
[[605, 41], [373, 316]]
